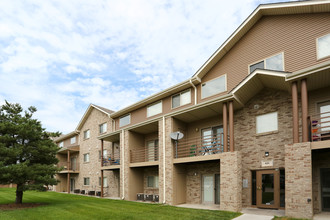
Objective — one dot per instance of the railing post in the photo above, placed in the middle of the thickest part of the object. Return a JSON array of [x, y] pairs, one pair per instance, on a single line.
[[304, 110]]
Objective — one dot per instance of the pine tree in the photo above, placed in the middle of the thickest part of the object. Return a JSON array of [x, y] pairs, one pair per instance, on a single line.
[[27, 153]]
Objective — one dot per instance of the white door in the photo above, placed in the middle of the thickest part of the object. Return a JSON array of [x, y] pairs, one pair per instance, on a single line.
[[73, 163], [208, 189], [324, 110], [72, 184]]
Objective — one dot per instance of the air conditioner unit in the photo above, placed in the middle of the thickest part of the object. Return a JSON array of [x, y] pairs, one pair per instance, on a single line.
[[149, 198], [140, 197], [156, 198]]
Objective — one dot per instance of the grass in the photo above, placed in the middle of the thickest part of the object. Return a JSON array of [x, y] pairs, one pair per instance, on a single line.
[[68, 206]]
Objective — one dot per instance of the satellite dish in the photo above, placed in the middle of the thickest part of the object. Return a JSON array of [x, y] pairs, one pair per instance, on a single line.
[[176, 135]]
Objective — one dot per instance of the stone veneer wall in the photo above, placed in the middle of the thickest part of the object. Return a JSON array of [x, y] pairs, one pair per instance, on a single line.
[[194, 182], [161, 159], [253, 146], [298, 180], [320, 159], [231, 181], [150, 171], [92, 146], [169, 191]]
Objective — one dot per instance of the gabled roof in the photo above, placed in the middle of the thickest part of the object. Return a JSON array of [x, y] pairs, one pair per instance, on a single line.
[[65, 136], [89, 110], [286, 8]]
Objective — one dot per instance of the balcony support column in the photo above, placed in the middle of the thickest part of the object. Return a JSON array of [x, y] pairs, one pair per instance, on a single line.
[[69, 168], [231, 126], [102, 153], [225, 126], [295, 126], [68, 183], [102, 181], [304, 110]]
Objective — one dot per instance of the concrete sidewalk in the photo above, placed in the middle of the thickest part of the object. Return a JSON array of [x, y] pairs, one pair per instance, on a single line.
[[259, 214]]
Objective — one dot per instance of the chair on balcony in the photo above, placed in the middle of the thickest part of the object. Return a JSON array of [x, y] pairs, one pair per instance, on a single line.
[[193, 151]]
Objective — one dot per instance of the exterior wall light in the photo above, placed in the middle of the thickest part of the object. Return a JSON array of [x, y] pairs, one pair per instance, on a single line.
[[266, 154]]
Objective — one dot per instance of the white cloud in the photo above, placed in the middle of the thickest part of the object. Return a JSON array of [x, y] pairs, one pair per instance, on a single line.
[[62, 55]]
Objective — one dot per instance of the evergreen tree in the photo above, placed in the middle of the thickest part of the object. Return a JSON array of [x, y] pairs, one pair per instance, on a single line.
[[27, 153]]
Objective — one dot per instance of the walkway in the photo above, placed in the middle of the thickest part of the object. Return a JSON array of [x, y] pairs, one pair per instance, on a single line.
[[259, 214]]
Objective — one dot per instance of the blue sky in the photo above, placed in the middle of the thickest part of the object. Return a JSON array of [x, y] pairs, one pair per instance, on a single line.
[[62, 55]]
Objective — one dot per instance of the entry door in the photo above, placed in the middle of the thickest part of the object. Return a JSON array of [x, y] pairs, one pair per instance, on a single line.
[[208, 189], [152, 152], [268, 193], [325, 189], [72, 184], [73, 163]]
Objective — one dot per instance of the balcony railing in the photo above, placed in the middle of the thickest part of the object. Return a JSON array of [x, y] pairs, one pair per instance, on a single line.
[[112, 159], [320, 127], [69, 166], [199, 146], [145, 154]]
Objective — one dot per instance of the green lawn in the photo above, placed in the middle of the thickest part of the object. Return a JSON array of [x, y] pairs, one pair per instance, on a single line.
[[67, 206]]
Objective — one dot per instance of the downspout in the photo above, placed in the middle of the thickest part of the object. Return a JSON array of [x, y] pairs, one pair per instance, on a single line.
[[123, 160], [164, 158], [195, 91]]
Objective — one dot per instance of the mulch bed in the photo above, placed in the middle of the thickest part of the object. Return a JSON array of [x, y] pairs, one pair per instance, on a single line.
[[13, 206]]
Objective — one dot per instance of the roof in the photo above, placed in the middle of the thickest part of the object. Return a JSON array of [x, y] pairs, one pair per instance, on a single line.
[[65, 136], [89, 110], [297, 7]]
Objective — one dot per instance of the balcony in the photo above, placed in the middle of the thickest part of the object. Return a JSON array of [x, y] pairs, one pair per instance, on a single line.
[[320, 127], [146, 154], [112, 160], [69, 167], [199, 146]]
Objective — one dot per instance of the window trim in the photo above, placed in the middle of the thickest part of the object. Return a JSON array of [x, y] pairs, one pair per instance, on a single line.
[[88, 181], [129, 121], [75, 140], [225, 90], [88, 158], [89, 131], [264, 60], [154, 103], [101, 125], [267, 132], [317, 48], [180, 93]]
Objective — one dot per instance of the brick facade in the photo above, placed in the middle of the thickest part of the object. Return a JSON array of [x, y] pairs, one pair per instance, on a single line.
[[298, 180]]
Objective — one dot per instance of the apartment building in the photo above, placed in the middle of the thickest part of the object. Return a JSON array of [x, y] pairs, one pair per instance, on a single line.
[[255, 120], [80, 154]]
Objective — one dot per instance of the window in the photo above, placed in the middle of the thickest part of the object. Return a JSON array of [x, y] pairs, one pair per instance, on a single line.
[[86, 158], [105, 154], [86, 181], [154, 109], [86, 134], [267, 122], [125, 120], [323, 46], [271, 63], [105, 181], [212, 140], [214, 86], [152, 181], [73, 140], [61, 144], [103, 128], [182, 98]]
